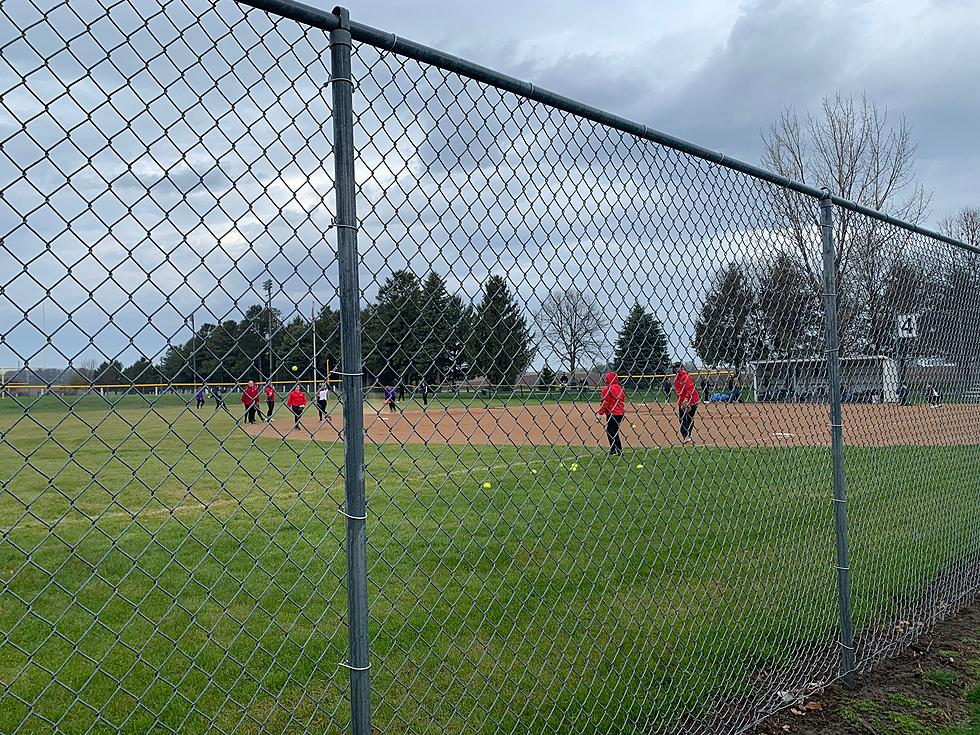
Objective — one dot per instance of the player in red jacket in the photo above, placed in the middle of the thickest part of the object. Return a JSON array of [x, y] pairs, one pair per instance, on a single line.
[[270, 400], [250, 399], [687, 401], [613, 407], [296, 402]]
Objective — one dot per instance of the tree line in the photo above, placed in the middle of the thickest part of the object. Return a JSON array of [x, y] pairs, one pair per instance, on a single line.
[[769, 307], [415, 329]]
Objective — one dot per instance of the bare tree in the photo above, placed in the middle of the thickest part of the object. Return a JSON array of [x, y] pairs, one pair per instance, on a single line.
[[83, 373], [572, 326], [963, 226], [855, 150], [953, 329]]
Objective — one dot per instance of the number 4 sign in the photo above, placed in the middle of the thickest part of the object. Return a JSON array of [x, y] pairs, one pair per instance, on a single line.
[[907, 326]]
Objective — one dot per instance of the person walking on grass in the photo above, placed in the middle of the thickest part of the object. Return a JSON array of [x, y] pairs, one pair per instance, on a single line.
[[687, 401], [613, 407], [296, 402], [321, 401], [199, 397], [423, 388], [270, 401], [250, 399]]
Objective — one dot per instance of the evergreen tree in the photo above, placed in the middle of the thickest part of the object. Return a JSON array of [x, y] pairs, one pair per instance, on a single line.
[[327, 341], [175, 366], [641, 347], [252, 360], [501, 340], [439, 331], [110, 372], [218, 360], [297, 349], [466, 364], [141, 371], [788, 315], [546, 377], [723, 330], [391, 333]]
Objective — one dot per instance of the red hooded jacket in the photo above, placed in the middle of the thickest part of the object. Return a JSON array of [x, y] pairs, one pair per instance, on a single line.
[[613, 397], [270, 393], [687, 394], [250, 395], [296, 398]]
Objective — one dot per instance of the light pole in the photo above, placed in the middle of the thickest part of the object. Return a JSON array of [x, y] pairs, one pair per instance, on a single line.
[[268, 307], [313, 325], [194, 349]]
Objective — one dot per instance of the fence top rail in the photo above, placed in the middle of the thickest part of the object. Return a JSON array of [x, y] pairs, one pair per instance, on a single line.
[[327, 21]]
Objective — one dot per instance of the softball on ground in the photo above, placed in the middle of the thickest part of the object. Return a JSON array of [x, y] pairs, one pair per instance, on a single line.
[[574, 468], [534, 472], [486, 486], [639, 467]]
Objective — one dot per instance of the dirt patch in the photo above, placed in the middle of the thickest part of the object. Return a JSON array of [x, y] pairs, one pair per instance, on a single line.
[[654, 425], [933, 687]]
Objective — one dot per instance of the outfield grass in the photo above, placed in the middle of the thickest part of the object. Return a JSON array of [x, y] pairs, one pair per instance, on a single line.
[[165, 570]]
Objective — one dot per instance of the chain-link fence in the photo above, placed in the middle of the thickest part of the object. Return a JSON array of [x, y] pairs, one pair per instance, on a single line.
[[429, 270]]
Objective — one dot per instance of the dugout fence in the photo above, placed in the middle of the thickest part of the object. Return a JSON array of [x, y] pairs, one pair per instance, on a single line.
[[304, 186]]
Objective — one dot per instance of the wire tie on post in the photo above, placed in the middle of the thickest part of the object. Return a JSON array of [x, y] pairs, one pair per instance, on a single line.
[[340, 372], [838, 500], [353, 518], [354, 668], [843, 645]]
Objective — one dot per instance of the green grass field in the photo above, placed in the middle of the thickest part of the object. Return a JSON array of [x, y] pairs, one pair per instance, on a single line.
[[164, 571]]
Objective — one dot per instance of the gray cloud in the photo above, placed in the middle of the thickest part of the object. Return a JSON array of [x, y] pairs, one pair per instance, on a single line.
[[207, 164]]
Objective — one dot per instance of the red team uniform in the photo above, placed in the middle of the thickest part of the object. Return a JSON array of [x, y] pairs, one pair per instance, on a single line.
[[687, 401], [613, 407]]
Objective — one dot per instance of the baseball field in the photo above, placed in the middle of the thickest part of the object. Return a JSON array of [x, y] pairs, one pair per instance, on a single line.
[[167, 569]]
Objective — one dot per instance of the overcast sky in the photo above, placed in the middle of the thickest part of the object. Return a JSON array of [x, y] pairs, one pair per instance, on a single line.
[[717, 72], [172, 156]]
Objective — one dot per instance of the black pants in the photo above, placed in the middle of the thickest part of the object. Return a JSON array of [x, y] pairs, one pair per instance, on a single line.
[[392, 408], [271, 405], [687, 420], [298, 413], [321, 408], [200, 403], [250, 412], [612, 431]]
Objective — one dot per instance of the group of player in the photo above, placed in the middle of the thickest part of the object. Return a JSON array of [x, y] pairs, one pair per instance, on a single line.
[[296, 401], [613, 406]]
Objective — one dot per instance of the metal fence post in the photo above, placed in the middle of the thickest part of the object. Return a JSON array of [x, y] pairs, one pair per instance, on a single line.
[[351, 374], [837, 439]]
